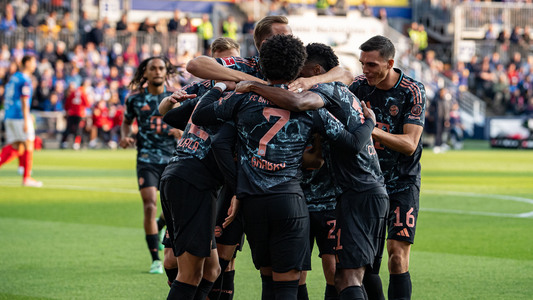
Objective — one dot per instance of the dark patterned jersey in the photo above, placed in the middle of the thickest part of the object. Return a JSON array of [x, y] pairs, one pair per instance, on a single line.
[[361, 171], [154, 144], [405, 103], [195, 140], [193, 160], [248, 65], [318, 185], [271, 143]]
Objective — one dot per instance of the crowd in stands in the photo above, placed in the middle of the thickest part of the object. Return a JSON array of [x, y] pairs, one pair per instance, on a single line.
[[91, 69]]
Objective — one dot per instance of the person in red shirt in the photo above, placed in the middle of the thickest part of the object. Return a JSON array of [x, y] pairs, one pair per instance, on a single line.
[[102, 124], [76, 104]]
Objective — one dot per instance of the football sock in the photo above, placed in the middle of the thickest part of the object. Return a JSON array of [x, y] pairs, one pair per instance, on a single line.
[[153, 245], [181, 291], [214, 294], [267, 288], [203, 289], [27, 157], [400, 286], [302, 292], [373, 286], [160, 223], [77, 139], [217, 286], [228, 285], [286, 289], [331, 293], [352, 293], [8, 153], [171, 275]]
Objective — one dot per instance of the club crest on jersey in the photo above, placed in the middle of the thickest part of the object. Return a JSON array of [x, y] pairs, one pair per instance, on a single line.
[[26, 91], [393, 110], [228, 61], [416, 110]]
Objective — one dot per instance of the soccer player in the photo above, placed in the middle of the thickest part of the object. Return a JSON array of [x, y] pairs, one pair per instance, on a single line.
[[155, 140], [270, 148], [241, 69], [20, 132], [400, 103], [318, 185], [227, 237], [363, 203]]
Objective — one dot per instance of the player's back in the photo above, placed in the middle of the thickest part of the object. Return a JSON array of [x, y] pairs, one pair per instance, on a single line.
[[271, 144]]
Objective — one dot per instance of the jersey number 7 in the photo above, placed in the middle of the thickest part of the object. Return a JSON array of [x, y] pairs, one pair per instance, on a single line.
[[284, 116]]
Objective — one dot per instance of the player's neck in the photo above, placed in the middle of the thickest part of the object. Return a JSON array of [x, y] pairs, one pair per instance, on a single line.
[[156, 90], [389, 81], [26, 72]]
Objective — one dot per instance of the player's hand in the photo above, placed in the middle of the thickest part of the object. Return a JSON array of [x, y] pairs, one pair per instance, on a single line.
[[244, 86], [232, 212], [176, 133], [368, 112], [180, 96], [230, 85], [126, 142], [301, 84]]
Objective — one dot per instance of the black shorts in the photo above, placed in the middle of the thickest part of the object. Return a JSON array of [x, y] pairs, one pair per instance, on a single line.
[[403, 214], [361, 225], [149, 174], [233, 234], [190, 216], [323, 230], [277, 229]]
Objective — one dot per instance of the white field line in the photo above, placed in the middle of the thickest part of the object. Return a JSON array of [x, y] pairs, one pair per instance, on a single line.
[[78, 188], [480, 213]]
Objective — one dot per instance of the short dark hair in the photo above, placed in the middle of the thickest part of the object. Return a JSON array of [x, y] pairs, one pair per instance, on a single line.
[[321, 54], [282, 57], [263, 29], [381, 44], [26, 58]]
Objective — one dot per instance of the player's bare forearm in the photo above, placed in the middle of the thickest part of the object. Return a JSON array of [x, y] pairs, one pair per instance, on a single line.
[[335, 74], [208, 68], [125, 131], [405, 143], [283, 98]]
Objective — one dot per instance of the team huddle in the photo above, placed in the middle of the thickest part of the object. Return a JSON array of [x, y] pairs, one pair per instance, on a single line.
[[286, 148]]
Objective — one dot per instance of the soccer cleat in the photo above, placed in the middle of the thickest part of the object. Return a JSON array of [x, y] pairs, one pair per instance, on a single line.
[[156, 267], [161, 234], [30, 182]]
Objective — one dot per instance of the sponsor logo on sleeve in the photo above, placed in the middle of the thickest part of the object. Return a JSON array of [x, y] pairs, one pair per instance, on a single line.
[[228, 61]]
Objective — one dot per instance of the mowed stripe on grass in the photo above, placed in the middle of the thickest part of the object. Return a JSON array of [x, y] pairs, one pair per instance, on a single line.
[[81, 236]]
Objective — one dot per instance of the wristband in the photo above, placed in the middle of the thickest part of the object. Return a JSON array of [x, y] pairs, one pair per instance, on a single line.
[[220, 85]]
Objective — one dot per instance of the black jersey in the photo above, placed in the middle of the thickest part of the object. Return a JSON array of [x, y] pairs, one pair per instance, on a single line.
[[361, 171], [318, 185], [248, 65], [405, 103], [154, 144], [271, 142]]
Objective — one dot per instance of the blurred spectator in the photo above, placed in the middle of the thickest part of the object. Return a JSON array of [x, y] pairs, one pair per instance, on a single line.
[[249, 25], [515, 37], [490, 34], [146, 26], [76, 104], [61, 51], [422, 39], [67, 24], [144, 53], [29, 48], [30, 19], [174, 23], [365, 10], [122, 24], [230, 28], [205, 33], [526, 37], [49, 53], [456, 128], [96, 35], [8, 23], [84, 27], [322, 7]]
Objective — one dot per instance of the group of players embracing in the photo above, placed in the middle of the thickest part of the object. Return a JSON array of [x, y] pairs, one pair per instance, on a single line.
[[289, 148]]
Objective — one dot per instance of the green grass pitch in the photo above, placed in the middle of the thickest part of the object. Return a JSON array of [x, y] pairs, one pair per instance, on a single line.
[[81, 236]]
